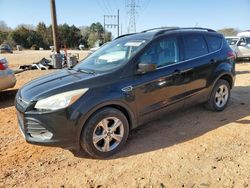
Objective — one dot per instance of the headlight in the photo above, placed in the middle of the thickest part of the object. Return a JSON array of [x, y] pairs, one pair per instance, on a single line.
[[60, 101]]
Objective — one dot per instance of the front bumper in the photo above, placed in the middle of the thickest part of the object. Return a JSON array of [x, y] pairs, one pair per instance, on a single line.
[[48, 129]]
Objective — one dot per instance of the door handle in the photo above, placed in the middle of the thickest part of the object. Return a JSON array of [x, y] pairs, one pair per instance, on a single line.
[[178, 72], [212, 61]]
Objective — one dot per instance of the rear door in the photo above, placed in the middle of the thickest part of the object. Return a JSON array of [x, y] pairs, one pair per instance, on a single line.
[[199, 62], [244, 50], [161, 90]]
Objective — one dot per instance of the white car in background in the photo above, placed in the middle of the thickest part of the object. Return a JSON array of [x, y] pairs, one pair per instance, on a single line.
[[7, 76], [240, 45]]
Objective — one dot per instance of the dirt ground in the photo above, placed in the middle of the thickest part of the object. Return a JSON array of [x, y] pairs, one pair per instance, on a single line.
[[190, 148]]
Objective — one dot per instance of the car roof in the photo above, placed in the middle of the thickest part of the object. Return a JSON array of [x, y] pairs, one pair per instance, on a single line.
[[155, 32]]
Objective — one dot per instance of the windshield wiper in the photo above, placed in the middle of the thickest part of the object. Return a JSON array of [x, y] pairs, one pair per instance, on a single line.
[[85, 71], [82, 70]]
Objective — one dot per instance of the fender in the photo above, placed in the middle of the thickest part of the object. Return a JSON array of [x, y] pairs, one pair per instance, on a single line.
[[84, 118]]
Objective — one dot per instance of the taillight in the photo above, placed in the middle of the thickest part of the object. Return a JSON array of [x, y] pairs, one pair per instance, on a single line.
[[231, 55], [3, 66]]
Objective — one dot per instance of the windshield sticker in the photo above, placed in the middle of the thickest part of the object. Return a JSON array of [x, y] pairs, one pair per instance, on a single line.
[[134, 43]]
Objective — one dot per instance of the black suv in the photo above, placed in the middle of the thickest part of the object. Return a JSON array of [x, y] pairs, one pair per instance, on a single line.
[[127, 82]]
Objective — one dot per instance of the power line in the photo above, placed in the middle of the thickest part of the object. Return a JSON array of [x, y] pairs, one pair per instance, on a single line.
[[112, 21], [143, 7], [100, 6], [109, 11], [131, 5], [116, 5], [109, 5]]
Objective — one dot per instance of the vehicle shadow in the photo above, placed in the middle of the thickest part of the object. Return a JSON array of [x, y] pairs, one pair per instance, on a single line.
[[241, 61], [242, 72], [184, 125], [7, 98]]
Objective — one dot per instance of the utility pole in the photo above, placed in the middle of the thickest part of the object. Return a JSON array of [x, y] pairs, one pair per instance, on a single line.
[[113, 22], [118, 24], [54, 25], [131, 14], [57, 59], [104, 39]]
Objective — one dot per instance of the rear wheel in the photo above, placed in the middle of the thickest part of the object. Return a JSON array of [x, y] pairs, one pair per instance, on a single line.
[[105, 133], [220, 96]]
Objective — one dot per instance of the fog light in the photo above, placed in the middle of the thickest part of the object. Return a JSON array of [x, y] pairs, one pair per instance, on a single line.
[[45, 135]]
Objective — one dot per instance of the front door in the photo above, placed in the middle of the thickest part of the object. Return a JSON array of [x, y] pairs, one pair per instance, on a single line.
[[243, 50], [163, 89]]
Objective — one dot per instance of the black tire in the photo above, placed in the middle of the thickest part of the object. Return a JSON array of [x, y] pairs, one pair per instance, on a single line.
[[212, 103], [93, 126]]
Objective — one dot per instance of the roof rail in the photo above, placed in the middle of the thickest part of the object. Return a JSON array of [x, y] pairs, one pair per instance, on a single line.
[[183, 28], [124, 35], [159, 28], [162, 30], [199, 28]]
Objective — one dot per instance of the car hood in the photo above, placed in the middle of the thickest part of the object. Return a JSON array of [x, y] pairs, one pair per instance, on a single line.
[[56, 82]]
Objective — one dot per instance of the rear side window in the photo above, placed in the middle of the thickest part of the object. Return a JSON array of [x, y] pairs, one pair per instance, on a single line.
[[248, 40], [195, 46], [214, 43]]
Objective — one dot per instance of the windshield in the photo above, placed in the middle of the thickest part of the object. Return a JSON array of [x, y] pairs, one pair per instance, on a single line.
[[232, 41], [111, 55]]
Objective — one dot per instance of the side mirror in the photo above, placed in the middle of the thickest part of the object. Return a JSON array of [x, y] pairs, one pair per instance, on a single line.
[[146, 67]]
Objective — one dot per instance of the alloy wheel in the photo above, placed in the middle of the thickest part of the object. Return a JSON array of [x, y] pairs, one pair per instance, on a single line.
[[221, 96], [108, 134]]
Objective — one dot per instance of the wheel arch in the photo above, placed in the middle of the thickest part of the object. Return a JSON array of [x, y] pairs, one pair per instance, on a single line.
[[228, 78], [131, 117]]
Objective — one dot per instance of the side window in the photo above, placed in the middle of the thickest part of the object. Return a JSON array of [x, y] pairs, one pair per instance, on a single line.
[[248, 41], [242, 40], [195, 46], [214, 43], [161, 52]]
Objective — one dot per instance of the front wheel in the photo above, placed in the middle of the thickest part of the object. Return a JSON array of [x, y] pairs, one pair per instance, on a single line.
[[105, 133], [220, 96]]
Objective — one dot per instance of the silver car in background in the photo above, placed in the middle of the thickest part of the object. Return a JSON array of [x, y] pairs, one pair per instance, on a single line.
[[7, 76], [240, 45]]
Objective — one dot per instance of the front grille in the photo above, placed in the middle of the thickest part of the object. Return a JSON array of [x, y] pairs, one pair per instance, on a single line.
[[31, 128], [34, 126]]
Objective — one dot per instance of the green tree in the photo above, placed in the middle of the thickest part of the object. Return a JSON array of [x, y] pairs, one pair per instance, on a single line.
[[27, 38], [46, 34], [69, 35], [4, 26], [35, 39], [96, 33], [20, 36], [84, 35], [3, 36], [92, 39], [228, 31], [4, 33]]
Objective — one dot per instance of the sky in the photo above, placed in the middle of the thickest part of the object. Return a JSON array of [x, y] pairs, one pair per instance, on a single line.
[[215, 14]]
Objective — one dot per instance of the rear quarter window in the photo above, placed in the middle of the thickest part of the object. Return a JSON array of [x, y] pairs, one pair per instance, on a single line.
[[214, 43], [248, 40], [195, 46]]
